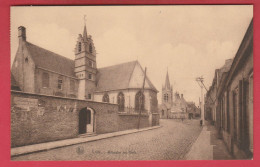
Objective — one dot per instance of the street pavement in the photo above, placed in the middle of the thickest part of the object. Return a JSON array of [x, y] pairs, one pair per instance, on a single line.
[[170, 142]]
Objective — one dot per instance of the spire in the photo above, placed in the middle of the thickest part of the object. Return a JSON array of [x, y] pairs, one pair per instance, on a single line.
[[167, 81], [85, 35]]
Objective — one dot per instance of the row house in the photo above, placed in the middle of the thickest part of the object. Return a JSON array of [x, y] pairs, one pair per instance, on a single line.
[[211, 96], [234, 101]]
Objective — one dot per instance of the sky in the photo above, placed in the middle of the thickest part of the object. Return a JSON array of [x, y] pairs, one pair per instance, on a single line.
[[190, 41]]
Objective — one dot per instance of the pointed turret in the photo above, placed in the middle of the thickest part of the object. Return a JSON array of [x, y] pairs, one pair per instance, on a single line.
[[167, 82], [85, 35], [167, 95]]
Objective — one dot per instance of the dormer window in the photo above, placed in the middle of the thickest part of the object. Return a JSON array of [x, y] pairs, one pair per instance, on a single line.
[[79, 47]]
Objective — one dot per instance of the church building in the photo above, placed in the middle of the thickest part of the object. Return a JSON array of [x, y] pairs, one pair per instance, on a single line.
[[173, 105], [40, 71]]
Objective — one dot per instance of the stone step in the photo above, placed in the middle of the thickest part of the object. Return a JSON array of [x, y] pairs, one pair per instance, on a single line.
[[87, 135]]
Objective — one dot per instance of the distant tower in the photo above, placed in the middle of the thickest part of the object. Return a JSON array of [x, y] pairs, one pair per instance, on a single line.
[[167, 95], [85, 65]]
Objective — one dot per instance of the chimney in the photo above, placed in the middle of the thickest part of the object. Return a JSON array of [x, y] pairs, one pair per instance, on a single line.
[[21, 33], [228, 61]]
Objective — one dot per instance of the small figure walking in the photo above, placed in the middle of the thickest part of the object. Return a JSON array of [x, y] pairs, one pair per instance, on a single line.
[[200, 122]]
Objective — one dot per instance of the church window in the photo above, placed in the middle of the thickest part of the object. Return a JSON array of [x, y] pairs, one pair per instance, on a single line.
[[45, 80], [139, 101], [89, 96], [90, 48], [89, 76], [72, 85], [79, 47], [166, 97], [105, 98], [121, 101], [60, 82]]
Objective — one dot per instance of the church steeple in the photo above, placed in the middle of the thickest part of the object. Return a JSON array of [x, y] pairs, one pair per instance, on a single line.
[[167, 95], [85, 64], [85, 35], [167, 81]]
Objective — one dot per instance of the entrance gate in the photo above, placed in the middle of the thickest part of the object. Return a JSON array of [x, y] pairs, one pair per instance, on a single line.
[[86, 121]]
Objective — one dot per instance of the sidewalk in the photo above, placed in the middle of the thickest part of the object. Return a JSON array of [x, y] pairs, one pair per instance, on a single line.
[[62, 143], [208, 146]]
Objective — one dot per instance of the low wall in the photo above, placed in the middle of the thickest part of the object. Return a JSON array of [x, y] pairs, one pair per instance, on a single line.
[[155, 119], [130, 121], [42, 118]]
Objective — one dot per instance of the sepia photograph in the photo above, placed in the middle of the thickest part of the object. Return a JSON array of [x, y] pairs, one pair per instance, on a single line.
[[131, 82]]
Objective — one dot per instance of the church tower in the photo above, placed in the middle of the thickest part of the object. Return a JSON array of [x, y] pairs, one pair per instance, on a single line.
[[167, 95], [85, 65]]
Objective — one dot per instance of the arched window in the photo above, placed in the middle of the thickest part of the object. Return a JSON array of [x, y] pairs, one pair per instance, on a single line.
[[79, 47], [105, 98], [90, 48], [45, 80], [121, 101], [139, 101]]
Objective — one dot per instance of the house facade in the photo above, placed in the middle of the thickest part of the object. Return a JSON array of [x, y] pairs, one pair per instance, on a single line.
[[211, 95], [234, 99]]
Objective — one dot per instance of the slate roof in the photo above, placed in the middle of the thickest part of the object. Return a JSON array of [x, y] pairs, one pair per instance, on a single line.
[[51, 61], [117, 77], [108, 78]]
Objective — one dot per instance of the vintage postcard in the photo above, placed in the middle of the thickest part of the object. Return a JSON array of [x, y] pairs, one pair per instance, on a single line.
[[172, 82]]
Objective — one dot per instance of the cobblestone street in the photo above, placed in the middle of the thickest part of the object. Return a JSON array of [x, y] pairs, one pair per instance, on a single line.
[[170, 142]]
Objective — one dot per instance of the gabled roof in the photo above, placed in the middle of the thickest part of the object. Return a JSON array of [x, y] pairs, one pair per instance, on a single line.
[[117, 77], [51, 61], [14, 84]]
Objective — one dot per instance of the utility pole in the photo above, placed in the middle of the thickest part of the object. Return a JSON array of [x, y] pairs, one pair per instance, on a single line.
[[200, 82], [141, 99]]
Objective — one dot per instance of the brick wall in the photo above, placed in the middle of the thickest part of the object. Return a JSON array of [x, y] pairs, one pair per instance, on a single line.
[[42, 118], [130, 121]]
